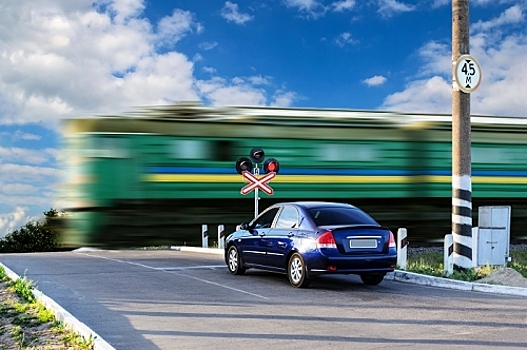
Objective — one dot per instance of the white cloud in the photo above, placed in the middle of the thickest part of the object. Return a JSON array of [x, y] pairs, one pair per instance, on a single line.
[[172, 29], [209, 70], [512, 15], [231, 13], [259, 80], [312, 8], [500, 46], [284, 99], [344, 39], [343, 5], [375, 80], [17, 172], [208, 45], [390, 7], [19, 135], [18, 189], [220, 93], [12, 221], [27, 156], [422, 96]]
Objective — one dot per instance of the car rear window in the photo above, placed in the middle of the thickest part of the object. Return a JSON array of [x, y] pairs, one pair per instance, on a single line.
[[341, 216]]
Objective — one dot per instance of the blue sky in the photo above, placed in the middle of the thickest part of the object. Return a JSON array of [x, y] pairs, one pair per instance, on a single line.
[[64, 58]]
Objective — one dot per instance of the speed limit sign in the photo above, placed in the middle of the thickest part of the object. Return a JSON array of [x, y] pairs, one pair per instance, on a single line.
[[467, 73]]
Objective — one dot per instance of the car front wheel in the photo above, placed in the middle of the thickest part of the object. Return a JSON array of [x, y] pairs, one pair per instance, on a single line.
[[372, 279], [234, 262], [297, 272]]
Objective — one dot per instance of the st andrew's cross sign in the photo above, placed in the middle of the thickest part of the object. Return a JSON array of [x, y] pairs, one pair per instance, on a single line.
[[257, 183]]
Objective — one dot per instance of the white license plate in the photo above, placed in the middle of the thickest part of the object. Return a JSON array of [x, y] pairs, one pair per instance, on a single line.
[[363, 243]]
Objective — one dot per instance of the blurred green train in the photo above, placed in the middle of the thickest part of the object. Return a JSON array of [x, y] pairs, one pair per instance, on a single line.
[[153, 177]]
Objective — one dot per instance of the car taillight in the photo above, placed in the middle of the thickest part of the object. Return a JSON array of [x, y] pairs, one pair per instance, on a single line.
[[391, 243], [326, 240]]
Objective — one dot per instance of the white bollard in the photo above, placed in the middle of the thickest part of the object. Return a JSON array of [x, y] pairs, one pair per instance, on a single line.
[[402, 250], [205, 236], [448, 261], [221, 236]]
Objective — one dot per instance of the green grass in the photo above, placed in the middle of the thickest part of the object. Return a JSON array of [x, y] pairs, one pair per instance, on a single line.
[[431, 263], [28, 312]]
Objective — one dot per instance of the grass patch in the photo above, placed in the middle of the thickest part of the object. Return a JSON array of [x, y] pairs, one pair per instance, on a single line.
[[431, 263], [24, 319]]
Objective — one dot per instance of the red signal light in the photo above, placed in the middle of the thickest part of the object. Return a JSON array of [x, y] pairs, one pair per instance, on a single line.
[[271, 165]]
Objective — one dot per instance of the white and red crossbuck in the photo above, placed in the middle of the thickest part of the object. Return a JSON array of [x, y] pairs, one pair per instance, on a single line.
[[255, 182]]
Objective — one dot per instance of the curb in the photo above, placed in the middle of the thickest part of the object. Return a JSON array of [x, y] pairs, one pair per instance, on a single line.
[[64, 316], [424, 280], [198, 250], [410, 277]]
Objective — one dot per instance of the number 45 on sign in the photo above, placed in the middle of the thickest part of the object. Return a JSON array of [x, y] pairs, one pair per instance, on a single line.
[[467, 73]]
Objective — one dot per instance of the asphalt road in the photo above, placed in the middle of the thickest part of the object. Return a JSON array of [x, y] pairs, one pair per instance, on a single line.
[[183, 300]]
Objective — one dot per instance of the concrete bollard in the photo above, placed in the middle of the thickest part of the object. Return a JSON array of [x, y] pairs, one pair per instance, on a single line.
[[221, 236], [205, 236], [448, 249], [402, 248]]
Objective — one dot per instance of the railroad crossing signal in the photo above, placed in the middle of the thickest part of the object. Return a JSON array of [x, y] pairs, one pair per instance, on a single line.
[[248, 168], [257, 183]]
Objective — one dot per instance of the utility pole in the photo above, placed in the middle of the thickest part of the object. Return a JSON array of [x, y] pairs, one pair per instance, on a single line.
[[461, 144]]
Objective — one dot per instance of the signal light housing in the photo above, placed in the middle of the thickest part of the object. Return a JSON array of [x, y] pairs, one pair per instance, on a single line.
[[243, 164], [257, 155], [271, 165]]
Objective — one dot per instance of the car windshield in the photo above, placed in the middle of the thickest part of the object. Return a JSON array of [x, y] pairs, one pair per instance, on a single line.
[[340, 216]]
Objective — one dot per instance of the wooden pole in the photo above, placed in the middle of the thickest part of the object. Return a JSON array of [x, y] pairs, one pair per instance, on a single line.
[[461, 144]]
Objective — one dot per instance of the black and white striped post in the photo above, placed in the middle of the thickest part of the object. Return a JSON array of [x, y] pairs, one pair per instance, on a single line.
[[221, 236], [402, 248], [205, 236], [463, 72]]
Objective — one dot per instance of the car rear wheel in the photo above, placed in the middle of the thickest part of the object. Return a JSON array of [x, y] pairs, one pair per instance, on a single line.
[[297, 272], [234, 262], [372, 279]]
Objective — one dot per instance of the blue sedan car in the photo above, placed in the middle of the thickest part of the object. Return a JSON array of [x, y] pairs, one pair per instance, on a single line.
[[306, 239]]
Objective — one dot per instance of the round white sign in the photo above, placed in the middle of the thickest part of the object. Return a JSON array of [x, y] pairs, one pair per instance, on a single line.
[[467, 73]]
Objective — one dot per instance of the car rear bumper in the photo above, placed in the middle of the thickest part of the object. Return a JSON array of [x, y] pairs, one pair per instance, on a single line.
[[352, 265]]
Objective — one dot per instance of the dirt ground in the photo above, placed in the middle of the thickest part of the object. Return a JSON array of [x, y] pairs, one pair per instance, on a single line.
[[20, 329], [505, 277]]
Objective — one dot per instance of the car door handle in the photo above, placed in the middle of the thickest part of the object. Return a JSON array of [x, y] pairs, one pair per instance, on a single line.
[[290, 234]]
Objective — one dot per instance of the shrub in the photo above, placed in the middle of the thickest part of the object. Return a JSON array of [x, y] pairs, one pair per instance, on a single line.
[[32, 237]]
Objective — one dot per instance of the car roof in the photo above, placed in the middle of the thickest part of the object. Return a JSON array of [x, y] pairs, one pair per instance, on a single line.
[[318, 204]]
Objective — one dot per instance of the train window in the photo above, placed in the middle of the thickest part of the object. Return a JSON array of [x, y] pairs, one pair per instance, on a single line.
[[488, 155], [220, 150], [334, 152], [106, 147], [223, 150], [191, 149]]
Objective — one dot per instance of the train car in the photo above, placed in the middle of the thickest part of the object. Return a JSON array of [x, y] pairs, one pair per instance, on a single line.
[[156, 175]]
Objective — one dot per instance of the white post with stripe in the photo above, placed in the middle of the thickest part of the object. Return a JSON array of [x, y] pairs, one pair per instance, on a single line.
[[221, 236], [462, 221], [448, 261], [402, 248], [205, 236]]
